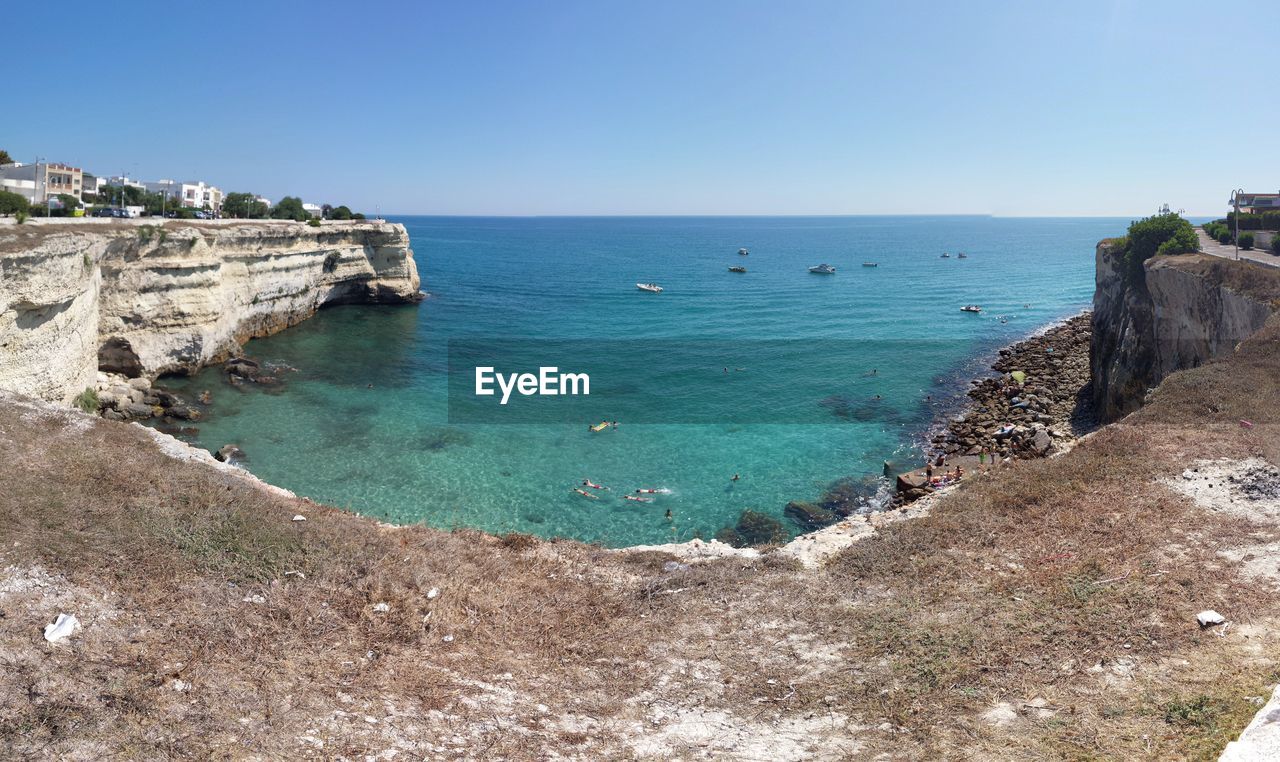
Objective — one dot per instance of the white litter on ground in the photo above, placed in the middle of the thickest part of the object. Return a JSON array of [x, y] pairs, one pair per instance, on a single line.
[[61, 628], [1209, 617]]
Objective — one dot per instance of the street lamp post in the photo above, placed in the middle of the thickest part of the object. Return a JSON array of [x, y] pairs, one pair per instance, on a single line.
[[1235, 205]]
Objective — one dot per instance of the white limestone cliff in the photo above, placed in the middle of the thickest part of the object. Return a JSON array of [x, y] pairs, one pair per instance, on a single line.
[[1180, 313], [145, 300]]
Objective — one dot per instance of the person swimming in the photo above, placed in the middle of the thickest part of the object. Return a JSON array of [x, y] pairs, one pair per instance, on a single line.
[[734, 478], [584, 493]]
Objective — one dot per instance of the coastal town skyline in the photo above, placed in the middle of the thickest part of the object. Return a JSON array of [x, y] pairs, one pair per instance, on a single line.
[[713, 109]]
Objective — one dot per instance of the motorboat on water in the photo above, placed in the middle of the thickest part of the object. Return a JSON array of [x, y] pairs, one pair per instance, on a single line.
[[870, 264], [962, 255], [737, 269], [823, 269], [652, 288], [971, 308], [945, 255], [743, 252]]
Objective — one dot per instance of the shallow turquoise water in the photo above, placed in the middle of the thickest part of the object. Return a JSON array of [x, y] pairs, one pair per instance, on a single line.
[[390, 451]]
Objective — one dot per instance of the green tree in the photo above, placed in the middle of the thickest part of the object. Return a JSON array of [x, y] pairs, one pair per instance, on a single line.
[[5, 158], [13, 203], [1158, 234], [243, 206], [289, 208], [128, 195], [69, 203], [340, 213], [1275, 244]]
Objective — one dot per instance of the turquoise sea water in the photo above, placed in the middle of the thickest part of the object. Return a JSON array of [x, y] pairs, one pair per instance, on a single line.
[[390, 451]]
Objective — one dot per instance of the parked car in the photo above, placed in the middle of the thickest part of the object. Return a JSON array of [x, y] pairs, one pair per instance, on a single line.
[[110, 211]]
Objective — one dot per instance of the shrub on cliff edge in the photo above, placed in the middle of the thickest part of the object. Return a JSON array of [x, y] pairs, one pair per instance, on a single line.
[[1157, 234], [87, 400]]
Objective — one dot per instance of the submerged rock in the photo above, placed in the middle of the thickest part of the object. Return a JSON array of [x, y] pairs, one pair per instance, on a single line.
[[808, 516], [754, 528], [242, 367]]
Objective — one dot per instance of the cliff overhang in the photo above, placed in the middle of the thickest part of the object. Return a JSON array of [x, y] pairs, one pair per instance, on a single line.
[[144, 300]]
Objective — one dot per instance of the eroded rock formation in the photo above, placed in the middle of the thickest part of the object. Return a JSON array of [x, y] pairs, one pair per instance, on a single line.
[[144, 300], [1184, 311]]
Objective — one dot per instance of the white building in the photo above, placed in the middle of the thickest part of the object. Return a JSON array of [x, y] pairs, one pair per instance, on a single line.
[[194, 194], [123, 180], [94, 185], [42, 180], [314, 210]]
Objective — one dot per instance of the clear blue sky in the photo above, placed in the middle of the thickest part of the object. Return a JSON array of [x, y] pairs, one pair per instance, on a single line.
[[684, 107]]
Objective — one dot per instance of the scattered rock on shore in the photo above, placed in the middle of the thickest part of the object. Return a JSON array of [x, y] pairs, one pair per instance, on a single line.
[[1037, 400], [132, 399]]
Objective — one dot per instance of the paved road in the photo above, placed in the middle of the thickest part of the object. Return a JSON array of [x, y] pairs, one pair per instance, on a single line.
[[1210, 246]]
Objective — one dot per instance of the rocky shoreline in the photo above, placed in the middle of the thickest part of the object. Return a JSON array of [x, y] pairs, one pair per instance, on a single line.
[[1008, 414], [120, 398], [1039, 402]]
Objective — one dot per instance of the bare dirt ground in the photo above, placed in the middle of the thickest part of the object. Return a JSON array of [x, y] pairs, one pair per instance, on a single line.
[[1046, 611]]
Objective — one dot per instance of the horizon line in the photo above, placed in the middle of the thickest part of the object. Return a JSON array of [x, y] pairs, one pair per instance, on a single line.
[[786, 216]]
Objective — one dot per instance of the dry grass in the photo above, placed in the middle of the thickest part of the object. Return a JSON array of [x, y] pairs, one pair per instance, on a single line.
[[1074, 580]]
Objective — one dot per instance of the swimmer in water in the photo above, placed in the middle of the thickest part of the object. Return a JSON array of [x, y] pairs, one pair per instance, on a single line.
[[735, 478], [668, 514]]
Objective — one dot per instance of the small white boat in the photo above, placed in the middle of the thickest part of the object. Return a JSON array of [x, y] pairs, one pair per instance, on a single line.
[[652, 288], [971, 308], [743, 252], [945, 255], [870, 264], [823, 269], [737, 269], [962, 255]]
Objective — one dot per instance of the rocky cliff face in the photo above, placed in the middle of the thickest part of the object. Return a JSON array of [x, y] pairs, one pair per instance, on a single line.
[[49, 290], [144, 301], [1184, 311]]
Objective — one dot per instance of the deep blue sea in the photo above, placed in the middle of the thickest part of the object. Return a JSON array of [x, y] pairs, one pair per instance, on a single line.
[[857, 364]]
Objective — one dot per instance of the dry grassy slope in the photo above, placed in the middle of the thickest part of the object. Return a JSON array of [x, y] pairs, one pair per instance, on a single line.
[[1046, 611]]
